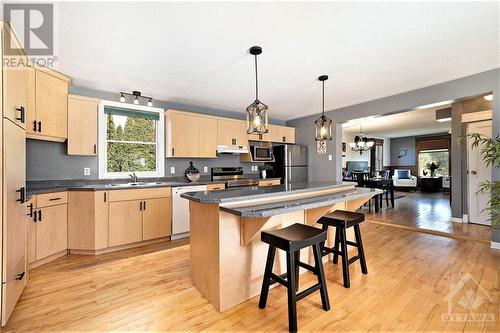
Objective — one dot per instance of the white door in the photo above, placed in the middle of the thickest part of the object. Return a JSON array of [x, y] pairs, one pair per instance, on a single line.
[[477, 172]]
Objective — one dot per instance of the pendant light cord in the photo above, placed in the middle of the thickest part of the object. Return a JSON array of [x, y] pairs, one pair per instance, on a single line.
[[256, 81], [323, 105]]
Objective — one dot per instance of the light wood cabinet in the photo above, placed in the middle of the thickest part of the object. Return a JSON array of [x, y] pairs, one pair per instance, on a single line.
[[125, 222], [215, 187], [269, 182], [51, 230], [266, 137], [281, 134], [231, 132], [19, 98], [156, 218], [190, 135], [88, 225], [49, 119], [82, 125]]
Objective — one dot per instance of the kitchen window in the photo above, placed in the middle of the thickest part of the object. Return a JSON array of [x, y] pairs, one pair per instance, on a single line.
[[130, 140]]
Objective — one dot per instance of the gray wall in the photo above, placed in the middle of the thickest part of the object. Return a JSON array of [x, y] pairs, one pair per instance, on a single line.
[[469, 86], [48, 160], [397, 144]]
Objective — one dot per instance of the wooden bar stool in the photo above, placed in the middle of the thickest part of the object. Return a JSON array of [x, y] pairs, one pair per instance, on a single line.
[[342, 220], [291, 240]]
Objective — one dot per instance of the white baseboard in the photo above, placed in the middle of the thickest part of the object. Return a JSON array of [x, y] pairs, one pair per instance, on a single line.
[[179, 236], [457, 219], [465, 218], [495, 245]]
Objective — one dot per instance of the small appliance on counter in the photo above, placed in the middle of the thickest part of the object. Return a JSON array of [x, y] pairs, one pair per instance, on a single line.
[[290, 163], [233, 177]]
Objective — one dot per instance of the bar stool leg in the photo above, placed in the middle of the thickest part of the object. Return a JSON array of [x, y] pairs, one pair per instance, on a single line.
[[345, 260], [361, 251], [297, 259], [267, 277], [336, 246], [292, 300], [321, 277]]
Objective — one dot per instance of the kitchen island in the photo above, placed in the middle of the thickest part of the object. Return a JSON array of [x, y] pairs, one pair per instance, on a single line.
[[227, 256]]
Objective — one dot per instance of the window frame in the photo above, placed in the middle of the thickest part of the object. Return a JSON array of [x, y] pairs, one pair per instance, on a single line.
[[438, 150], [102, 142]]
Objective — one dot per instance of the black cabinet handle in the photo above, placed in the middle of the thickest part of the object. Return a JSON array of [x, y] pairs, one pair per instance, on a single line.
[[39, 215], [173, 151], [21, 109], [39, 126], [140, 205], [284, 139], [20, 276], [233, 141], [95, 149], [144, 205], [104, 196], [55, 199], [22, 195], [30, 206], [34, 216], [34, 125]]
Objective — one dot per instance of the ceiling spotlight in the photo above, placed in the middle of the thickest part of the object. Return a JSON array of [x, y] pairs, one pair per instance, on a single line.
[[489, 97], [136, 100], [122, 98], [150, 102]]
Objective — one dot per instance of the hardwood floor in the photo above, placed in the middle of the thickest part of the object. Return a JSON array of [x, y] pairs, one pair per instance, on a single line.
[[150, 289], [428, 212]]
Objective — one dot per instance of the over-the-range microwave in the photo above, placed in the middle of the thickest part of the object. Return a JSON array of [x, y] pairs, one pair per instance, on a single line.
[[262, 154]]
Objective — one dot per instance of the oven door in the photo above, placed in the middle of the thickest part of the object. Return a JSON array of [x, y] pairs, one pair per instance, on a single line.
[[262, 154]]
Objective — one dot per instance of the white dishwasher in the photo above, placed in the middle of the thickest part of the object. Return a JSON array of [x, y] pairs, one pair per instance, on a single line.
[[180, 210]]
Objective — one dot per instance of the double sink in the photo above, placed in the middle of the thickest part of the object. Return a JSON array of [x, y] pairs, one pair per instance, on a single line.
[[136, 184]]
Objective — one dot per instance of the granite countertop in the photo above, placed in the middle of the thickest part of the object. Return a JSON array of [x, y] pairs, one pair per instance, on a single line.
[[50, 186], [268, 210], [254, 192]]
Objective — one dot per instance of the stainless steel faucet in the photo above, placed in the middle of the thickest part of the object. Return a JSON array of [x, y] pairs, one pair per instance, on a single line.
[[133, 176]]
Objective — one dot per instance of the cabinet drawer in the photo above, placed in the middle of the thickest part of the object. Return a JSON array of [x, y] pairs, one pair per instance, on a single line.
[[51, 199], [139, 194], [269, 182], [214, 187]]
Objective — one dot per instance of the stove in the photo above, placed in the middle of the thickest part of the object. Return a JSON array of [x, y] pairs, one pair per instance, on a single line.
[[233, 177]]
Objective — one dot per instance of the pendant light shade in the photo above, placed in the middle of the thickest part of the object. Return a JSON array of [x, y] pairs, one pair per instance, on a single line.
[[257, 111], [323, 123]]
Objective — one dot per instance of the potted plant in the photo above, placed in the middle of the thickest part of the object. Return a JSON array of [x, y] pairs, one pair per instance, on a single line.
[[432, 168], [263, 170], [490, 153]]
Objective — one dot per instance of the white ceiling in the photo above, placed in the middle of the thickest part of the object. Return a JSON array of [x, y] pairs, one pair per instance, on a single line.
[[196, 53], [417, 122]]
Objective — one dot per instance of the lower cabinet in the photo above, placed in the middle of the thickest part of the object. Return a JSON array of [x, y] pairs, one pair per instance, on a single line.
[[156, 218], [125, 222], [269, 182], [51, 230]]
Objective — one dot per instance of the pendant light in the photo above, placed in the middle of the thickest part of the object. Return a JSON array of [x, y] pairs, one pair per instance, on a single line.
[[257, 111], [323, 124]]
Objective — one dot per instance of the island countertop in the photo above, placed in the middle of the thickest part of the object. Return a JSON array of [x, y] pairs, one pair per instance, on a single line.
[[235, 195]]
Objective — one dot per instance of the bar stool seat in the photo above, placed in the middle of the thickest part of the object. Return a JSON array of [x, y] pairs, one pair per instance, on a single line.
[[291, 240], [342, 220]]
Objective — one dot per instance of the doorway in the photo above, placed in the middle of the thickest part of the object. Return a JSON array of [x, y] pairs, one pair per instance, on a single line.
[[477, 171]]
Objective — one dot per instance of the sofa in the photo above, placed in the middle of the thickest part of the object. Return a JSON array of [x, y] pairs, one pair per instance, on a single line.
[[403, 178]]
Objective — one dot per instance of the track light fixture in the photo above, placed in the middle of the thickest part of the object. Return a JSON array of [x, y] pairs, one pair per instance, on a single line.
[[136, 96]]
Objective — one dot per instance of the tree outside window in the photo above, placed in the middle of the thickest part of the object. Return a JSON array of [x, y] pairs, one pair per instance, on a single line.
[[439, 156]]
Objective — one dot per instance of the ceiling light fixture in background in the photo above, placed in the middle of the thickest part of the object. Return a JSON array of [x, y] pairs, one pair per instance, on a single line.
[[257, 112], [136, 97]]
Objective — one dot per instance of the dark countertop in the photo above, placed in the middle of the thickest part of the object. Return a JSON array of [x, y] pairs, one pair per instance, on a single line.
[[255, 192], [278, 208], [50, 186]]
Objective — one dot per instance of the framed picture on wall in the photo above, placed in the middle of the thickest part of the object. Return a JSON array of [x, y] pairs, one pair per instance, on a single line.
[[320, 147]]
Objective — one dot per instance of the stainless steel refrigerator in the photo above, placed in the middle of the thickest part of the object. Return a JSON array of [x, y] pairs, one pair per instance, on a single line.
[[290, 163]]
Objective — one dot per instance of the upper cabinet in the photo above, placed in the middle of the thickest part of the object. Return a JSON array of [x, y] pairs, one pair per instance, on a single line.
[[82, 125], [49, 119], [231, 132], [190, 135], [194, 135], [19, 89]]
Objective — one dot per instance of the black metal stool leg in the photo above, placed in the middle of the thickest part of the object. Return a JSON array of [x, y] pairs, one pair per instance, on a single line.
[[361, 251], [297, 259], [321, 277], [345, 258], [292, 300], [267, 277], [336, 246]]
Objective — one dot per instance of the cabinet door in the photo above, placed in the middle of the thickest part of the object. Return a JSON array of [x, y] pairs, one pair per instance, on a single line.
[[157, 218], [14, 182], [207, 137], [51, 230], [125, 222], [82, 125], [51, 105], [183, 135], [282, 134], [260, 137], [19, 98], [231, 132]]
